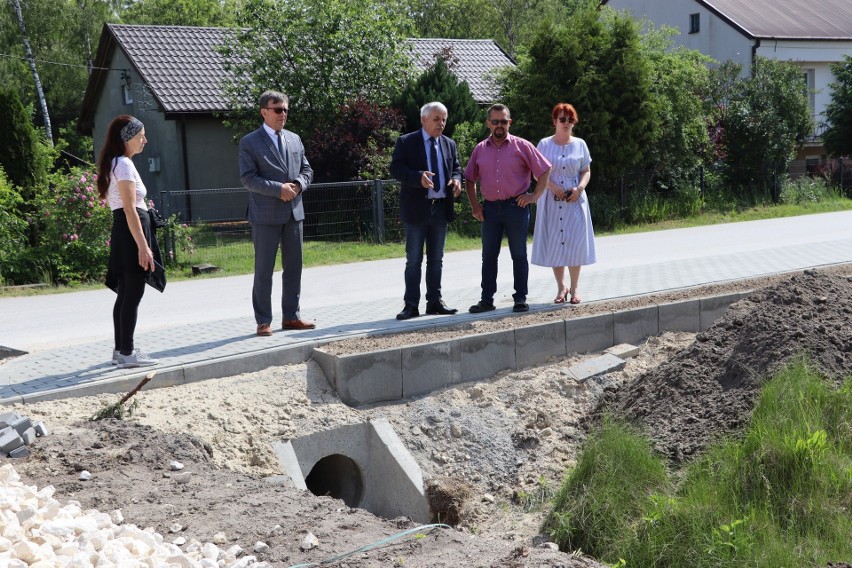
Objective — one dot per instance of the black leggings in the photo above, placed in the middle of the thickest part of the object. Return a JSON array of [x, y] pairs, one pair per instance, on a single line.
[[131, 287]]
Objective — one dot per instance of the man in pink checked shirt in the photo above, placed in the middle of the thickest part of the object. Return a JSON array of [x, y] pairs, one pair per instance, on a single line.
[[503, 165]]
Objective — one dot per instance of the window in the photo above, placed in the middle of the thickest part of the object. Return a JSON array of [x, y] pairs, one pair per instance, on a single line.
[[694, 23]]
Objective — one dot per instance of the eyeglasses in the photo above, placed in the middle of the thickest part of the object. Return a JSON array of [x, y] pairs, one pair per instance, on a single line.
[[278, 110], [566, 119], [499, 122]]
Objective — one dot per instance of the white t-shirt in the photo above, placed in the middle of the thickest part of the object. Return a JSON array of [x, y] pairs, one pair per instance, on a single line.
[[124, 170]]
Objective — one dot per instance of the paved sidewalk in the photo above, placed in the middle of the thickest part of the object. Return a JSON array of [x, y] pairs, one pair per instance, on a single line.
[[68, 336]]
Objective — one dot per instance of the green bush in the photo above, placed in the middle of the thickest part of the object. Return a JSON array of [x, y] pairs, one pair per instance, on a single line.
[[13, 231], [76, 229], [806, 190]]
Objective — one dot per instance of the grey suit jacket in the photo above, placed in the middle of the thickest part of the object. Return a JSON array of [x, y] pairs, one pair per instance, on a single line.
[[263, 170]]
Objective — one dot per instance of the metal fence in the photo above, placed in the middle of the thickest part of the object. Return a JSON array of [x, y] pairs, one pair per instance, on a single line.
[[345, 211]]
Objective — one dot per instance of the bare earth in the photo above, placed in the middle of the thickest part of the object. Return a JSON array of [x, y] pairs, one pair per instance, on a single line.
[[506, 438]]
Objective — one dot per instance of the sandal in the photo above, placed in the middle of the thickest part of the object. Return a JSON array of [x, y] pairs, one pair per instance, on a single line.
[[575, 299], [561, 297]]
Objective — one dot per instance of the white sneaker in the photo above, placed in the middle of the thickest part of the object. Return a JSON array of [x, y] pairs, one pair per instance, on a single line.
[[115, 354], [135, 359]]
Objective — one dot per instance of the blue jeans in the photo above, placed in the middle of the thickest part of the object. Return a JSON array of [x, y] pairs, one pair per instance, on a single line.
[[432, 234], [505, 218]]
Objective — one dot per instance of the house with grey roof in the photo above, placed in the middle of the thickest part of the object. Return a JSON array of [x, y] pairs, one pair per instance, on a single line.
[[171, 78], [811, 34]]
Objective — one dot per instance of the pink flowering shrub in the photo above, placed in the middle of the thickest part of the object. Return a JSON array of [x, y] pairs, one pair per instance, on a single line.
[[77, 227]]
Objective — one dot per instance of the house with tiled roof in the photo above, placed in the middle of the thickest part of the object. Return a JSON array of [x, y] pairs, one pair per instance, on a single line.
[[811, 34], [171, 78]]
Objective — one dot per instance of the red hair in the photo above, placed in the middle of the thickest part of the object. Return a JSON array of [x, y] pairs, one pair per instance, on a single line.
[[567, 110]]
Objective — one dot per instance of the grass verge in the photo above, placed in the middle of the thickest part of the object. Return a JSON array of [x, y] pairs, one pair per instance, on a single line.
[[780, 496]]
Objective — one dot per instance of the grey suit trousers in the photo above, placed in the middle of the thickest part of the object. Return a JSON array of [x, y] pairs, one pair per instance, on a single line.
[[267, 239]]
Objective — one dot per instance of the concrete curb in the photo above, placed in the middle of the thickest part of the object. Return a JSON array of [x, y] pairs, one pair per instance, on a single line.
[[415, 370], [179, 375]]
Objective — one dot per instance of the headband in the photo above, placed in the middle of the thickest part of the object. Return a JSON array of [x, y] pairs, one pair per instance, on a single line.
[[131, 129]]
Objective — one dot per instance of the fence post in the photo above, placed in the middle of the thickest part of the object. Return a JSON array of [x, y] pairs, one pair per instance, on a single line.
[[701, 177], [378, 211], [167, 237]]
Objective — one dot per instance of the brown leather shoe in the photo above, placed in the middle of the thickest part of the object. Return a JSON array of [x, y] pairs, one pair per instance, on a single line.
[[298, 324], [264, 330]]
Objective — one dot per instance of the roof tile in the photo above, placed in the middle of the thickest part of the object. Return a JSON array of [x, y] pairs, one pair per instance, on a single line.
[[184, 71]]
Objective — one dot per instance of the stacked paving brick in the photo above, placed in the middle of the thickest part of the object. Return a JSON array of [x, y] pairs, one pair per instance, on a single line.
[[17, 433]]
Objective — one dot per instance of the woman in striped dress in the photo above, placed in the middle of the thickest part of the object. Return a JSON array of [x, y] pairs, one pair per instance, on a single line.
[[563, 226]]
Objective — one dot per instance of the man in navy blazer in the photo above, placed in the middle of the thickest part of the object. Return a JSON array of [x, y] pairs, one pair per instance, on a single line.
[[427, 166], [275, 171]]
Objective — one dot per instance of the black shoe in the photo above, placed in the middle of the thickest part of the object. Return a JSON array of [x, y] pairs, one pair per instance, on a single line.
[[521, 307], [439, 308], [408, 312], [480, 307]]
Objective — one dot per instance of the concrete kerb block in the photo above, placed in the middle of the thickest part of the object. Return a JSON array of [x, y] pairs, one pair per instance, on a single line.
[[623, 351], [7, 418], [21, 425], [536, 344], [486, 354], [327, 363], [634, 326], [29, 436], [246, 363], [607, 363], [9, 440], [20, 452], [591, 333], [680, 316], [714, 308], [120, 385], [364, 378], [430, 367]]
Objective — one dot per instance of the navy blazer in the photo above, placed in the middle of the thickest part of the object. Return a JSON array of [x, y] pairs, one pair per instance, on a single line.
[[408, 164], [263, 170]]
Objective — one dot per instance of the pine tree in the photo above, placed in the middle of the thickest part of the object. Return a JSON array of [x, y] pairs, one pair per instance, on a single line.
[[438, 83]]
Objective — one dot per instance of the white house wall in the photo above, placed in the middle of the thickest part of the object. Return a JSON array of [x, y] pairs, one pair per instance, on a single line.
[[722, 42], [815, 55]]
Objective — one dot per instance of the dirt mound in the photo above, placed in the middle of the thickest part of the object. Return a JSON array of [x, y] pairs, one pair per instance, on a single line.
[[710, 388]]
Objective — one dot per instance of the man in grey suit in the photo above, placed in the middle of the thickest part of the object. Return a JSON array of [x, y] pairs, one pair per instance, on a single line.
[[275, 171]]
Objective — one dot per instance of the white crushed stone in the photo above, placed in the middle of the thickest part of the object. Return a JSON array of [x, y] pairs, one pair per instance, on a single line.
[[38, 530]]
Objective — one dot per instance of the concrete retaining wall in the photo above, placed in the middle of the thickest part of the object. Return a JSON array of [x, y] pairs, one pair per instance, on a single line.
[[405, 372]]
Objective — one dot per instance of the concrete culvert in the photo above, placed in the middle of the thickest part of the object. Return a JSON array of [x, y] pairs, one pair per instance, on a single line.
[[337, 476], [365, 465]]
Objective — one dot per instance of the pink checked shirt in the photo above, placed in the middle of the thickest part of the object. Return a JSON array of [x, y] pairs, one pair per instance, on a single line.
[[504, 172]]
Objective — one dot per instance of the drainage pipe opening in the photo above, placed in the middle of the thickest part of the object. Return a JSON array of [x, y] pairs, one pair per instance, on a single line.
[[337, 476]]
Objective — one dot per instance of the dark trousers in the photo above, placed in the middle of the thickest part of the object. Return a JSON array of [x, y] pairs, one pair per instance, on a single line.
[[131, 288], [505, 218], [432, 234], [267, 239]]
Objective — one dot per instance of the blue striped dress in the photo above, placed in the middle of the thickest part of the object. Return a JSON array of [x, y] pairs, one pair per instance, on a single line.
[[563, 231]]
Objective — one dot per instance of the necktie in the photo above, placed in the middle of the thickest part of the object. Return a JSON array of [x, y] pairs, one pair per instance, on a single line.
[[436, 166], [280, 145]]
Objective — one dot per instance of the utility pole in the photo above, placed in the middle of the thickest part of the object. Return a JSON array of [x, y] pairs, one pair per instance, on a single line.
[[16, 4]]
